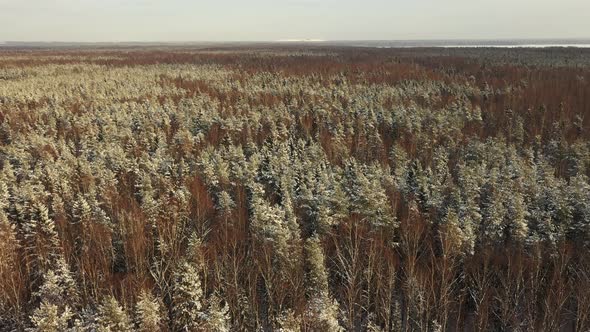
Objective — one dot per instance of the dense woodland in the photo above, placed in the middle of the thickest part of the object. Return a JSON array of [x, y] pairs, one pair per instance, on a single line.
[[294, 189]]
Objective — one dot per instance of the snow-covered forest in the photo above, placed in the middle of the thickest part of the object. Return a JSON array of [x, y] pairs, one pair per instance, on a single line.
[[294, 189]]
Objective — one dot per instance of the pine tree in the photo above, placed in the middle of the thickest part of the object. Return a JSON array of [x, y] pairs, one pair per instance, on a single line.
[[148, 315], [454, 239], [288, 322], [579, 198], [49, 318], [217, 316], [41, 240], [367, 194], [440, 178], [224, 202], [270, 224], [187, 297], [111, 317], [59, 286], [517, 215], [12, 289], [4, 196], [322, 310], [400, 165], [494, 209]]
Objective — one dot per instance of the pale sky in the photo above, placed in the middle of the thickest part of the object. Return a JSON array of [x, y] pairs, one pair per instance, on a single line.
[[263, 20]]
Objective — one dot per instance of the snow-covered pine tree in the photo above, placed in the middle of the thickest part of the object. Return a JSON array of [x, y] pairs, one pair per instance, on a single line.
[[148, 314], [49, 317], [579, 198], [187, 297], [322, 311], [516, 217], [364, 186], [59, 286], [217, 316], [112, 317], [41, 241]]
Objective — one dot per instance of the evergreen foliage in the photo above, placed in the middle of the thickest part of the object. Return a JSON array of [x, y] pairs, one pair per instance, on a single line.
[[294, 189]]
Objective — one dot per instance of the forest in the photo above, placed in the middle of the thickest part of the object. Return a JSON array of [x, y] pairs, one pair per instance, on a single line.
[[294, 188]]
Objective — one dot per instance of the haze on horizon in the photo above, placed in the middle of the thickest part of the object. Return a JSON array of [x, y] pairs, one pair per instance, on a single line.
[[266, 20]]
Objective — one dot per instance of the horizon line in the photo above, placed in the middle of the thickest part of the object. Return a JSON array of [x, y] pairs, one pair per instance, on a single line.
[[287, 40]]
